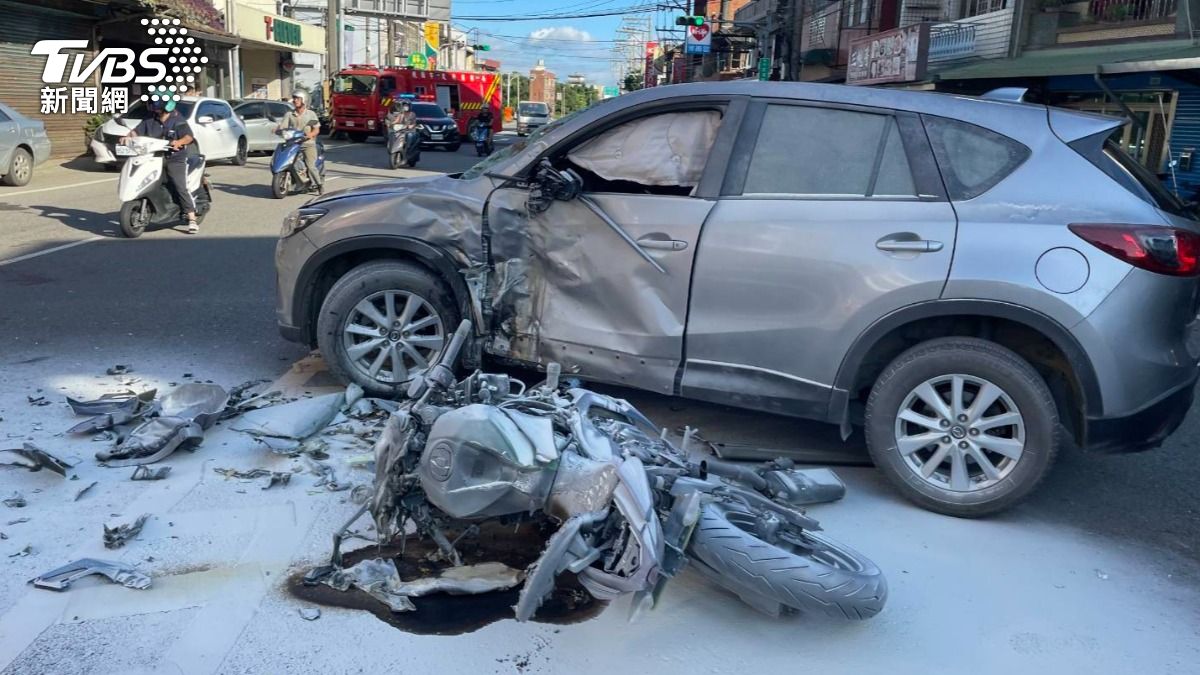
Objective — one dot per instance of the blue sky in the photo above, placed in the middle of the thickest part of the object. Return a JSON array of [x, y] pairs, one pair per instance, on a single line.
[[568, 46]]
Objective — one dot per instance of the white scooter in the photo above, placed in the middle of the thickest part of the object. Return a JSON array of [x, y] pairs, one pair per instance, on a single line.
[[147, 194]]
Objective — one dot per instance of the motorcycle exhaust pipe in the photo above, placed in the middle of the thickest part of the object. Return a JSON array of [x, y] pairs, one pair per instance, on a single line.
[[737, 472]]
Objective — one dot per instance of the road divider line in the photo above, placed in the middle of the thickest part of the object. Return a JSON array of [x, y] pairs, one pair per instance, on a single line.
[[48, 251], [5, 195]]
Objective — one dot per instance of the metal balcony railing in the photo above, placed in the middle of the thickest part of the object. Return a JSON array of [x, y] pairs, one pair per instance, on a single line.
[[399, 8], [951, 40], [1124, 11]]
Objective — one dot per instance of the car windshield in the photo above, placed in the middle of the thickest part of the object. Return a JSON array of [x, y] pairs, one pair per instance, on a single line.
[[138, 111], [513, 148], [360, 85], [428, 110], [533, 109]]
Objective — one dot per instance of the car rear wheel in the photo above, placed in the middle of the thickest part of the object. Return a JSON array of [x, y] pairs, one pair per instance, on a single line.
[[383, 323], [243, 149], [962, 426], [20, 168]]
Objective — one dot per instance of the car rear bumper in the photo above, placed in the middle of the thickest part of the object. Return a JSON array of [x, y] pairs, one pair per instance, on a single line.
[[102, 152], [1144, 429]]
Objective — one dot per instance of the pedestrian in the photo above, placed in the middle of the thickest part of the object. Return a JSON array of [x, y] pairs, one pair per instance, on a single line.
[[306, 120], [166, 123]]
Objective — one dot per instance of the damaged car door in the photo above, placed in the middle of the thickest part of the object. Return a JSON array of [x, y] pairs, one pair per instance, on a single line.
[[610, 269]]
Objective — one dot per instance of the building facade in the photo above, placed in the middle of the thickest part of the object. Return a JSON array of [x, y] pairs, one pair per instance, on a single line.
[[542, 86]]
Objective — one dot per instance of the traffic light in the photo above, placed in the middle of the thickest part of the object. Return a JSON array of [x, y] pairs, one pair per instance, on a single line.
[[689, 21]]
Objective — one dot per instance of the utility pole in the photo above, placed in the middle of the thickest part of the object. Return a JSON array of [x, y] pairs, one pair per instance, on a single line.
[[333, 35], [390, 59]]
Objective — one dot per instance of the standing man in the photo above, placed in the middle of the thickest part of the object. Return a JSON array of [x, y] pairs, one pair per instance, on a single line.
[[306, 120], [169, 125]]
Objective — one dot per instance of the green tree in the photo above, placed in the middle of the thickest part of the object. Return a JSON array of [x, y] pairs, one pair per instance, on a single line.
[[634, 81]]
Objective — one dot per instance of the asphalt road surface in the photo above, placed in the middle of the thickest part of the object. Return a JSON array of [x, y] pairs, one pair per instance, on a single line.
[[75, 292]]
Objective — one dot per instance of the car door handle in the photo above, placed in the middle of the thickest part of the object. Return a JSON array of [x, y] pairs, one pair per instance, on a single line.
[[907, 243], [662, 244]]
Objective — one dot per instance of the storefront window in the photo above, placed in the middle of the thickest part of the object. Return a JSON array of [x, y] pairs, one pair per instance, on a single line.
[[361, 85]]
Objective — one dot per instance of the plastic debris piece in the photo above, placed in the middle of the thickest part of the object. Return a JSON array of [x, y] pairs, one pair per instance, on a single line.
[[22, 553], [270, 478], [116, 537], [85, 489], [34, 458], [110, 403], [17, 521], [465, 580], [39, 401], [119, 369], [152, 441], [296, 420], [310, 613], [354, 393], [16, 501], [61, 578], [377, 578], [143, 472]]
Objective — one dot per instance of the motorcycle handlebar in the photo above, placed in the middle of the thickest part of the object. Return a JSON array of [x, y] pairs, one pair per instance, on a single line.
[[450, 356]]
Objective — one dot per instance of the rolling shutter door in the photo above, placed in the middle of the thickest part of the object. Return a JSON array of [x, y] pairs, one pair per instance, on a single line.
[[21, 73]]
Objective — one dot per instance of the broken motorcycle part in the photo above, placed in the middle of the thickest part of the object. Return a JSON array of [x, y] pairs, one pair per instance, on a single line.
[[16, 501], [119, 369], [116, 537], [143, 472], [84, 490], [61, 578], [296, 420], [35, 459], [273, 478], [377, 578], [111, 403], [186, 412]]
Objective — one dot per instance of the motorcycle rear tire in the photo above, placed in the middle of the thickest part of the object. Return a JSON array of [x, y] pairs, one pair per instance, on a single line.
[[784, 575], [130, 217], [281, 184]]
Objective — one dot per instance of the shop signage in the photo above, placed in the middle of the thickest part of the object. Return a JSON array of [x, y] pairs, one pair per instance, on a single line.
[[418, 61], [650, 73], [281, 31], [699, 39], [898, 55], [764, 69]]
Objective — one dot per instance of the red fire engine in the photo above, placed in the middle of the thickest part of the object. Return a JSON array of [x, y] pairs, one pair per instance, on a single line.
[[363, 94]]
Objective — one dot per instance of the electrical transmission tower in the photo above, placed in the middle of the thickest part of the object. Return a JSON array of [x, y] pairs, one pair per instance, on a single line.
[[629, 50]]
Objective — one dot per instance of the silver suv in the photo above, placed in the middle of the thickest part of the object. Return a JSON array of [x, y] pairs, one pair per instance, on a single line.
[[976, 282]]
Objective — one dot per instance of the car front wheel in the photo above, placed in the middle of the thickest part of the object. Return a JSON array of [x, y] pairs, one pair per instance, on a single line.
[[962, 426], [383, 323], [20, 168]]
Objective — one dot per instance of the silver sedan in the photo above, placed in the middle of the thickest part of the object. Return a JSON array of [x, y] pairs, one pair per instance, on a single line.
[[261, 118], [23, 145]]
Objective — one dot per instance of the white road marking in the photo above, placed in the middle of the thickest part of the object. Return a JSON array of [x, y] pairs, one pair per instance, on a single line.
[[56, 249], [4, 195]]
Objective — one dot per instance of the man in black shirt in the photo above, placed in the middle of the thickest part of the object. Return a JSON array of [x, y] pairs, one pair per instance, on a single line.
[[165, 123]]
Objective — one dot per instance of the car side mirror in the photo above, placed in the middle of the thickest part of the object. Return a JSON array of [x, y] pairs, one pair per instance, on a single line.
[[204, 119], [550, 185]]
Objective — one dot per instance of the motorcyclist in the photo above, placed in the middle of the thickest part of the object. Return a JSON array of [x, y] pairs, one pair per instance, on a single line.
[[165, 123], [402, 114], [304, 119], [484, 118]]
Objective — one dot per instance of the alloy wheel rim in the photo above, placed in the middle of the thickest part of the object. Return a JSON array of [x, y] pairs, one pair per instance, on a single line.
[[960, 433], [21, 167], [392, 336]]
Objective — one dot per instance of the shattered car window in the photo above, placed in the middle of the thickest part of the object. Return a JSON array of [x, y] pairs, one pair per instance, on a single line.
[[668, 149]]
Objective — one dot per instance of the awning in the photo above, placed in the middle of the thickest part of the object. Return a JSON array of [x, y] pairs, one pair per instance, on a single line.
[[1135, 57], [247, 43], [222, 38]]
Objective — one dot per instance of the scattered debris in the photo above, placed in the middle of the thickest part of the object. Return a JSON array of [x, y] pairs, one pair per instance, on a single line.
[[377, 578], [61, 578], [35, 459], [3, 536], [89, 487], [310, 613], [17, 521], [465, 580], [119, 369], [17, 501], [273, 478], [186, 412], [39, 401], [328, 477], [104, 437], [1101, 575], [22, 553], [115, 537], [110, 403], [143, 472], [296, 420]]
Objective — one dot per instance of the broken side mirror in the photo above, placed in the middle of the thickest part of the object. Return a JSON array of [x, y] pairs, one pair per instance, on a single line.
[[550, 185]]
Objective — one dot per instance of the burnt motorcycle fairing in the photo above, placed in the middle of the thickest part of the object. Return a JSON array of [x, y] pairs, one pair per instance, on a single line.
[[483, 461]]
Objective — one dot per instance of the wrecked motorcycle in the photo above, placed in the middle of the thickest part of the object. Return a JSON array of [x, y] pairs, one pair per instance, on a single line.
[[628, 507]]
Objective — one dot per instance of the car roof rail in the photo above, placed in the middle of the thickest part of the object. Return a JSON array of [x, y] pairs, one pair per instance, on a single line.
[[1010, 94]]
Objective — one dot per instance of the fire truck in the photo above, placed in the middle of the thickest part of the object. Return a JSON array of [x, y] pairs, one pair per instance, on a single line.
[[362, 95]]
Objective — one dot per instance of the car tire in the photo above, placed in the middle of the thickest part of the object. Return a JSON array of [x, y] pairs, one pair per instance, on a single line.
[[243, 149], [454, 147], [968, 366], [363, 282], [20, 168]]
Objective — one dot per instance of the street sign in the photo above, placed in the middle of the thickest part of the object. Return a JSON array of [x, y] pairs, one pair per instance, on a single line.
[[610, 92], [764, 69], [418, 61], [898, 55], [699, 39]]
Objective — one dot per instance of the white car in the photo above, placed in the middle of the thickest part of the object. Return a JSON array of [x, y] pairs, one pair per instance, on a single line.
[[219, 133]]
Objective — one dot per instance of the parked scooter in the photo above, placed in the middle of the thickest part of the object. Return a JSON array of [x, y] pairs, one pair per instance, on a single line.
[[147, 195], [288, 171], [403, 146], [629, 509], [482, 135]]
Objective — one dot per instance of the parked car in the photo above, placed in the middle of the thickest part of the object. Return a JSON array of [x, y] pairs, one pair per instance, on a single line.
[[975, 282], [260, 119], [438, 130], [23, 145], [531, 115], [219, 133]]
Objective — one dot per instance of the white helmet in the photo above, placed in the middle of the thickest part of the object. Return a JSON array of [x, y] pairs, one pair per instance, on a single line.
[[300, 95]]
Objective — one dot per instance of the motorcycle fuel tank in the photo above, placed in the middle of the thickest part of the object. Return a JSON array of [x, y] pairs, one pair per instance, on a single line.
[[481, 461]]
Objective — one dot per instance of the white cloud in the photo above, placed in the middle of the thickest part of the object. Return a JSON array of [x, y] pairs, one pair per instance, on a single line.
[[561, 33]]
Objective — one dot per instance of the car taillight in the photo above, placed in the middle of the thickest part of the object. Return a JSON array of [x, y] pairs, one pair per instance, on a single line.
[[1165, 250]]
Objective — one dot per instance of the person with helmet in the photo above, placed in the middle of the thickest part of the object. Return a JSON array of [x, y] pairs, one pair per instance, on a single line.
[[304, 119], [402, 114], [166, 123]]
